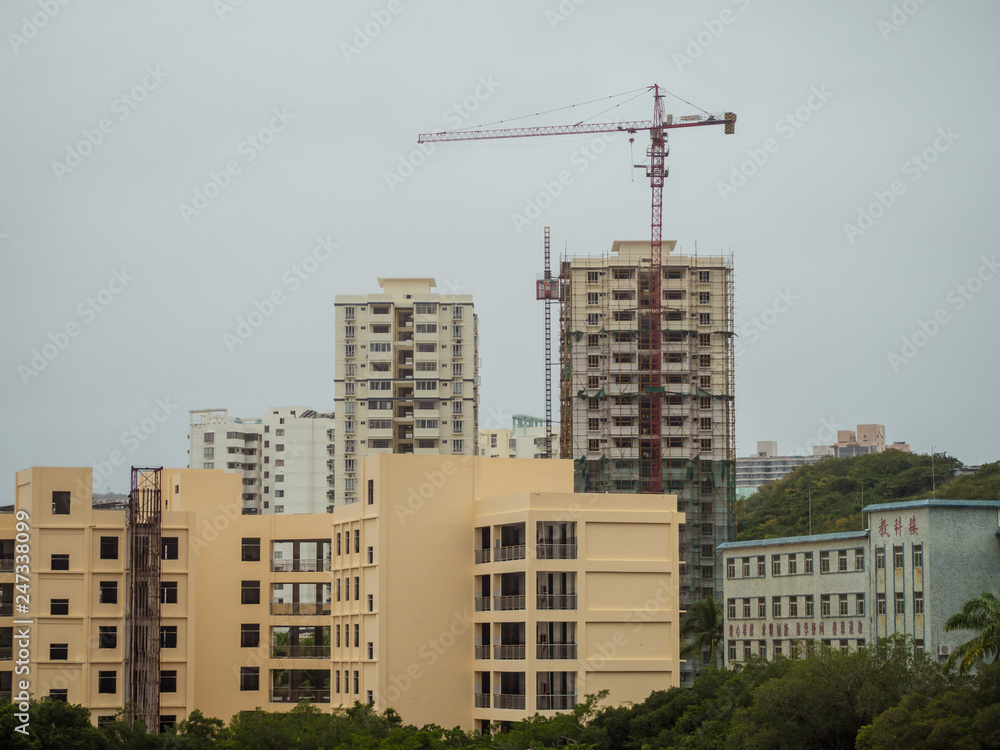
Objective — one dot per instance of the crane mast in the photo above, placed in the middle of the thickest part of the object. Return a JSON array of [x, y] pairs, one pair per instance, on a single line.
[[650, 305]]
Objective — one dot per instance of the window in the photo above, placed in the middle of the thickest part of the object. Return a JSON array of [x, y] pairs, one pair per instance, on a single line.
[[371, 491], [107, 636], [356, 682], [109, 548], [880, 558], [357, 635], [371, 602], [371, 555], [108, 592], [249, 678], [880, 604], [842, 561], [168, 636], [918, 555], [732, 651], [357, 540], [349, 313], [168, 592], [761, 566], [59, 606], [918, 602], [456, 389], [250, 592], [338, 589], [704, 298], [170, 548], [357, 591], [859, 604], [279, 447], [426, 327], [107, 682], [381, 346], [456, 314], [168, 680], [425, 309], [731, 609], [897, 556], [59, 694], [704, 319], [704, 277], [249, 635], [591, 298], [824, 605], [824, 562], [347, 590], [792, 564], [900, 603], [167, 721], [859, 558], [776, 565], [208, 453], [349, 350], [456, 370], [58, 651], [745, 567], [591, 277], [251, 549], [592, 319], [809, 605], [371, 654], [730, 568], [793, 606], [456, 446], [843, 605], [60, 562], [775, 606], [762, 607], [60, 503], [456, 426]]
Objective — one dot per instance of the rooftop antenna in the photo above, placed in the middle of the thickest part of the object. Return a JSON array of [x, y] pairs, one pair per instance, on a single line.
[[933, 476]]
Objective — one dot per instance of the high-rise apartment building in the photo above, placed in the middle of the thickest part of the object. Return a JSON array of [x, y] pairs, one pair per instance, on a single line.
[[525, 439], [417, 597], [407, 368], [285, 458], [606, 388]]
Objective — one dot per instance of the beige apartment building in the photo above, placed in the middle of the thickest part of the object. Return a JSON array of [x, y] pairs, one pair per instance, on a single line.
[[525, 439], [407, 364], [606, 383], [284, 458], [418, 596]]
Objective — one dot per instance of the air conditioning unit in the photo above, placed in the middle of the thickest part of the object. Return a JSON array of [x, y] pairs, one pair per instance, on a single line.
[[944, 650]]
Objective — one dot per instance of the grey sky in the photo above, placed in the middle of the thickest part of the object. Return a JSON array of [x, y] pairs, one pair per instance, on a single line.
[[171, 93]]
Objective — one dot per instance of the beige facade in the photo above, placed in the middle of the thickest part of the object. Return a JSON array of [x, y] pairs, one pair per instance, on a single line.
[[458, 590], [526, 439], [407, 364]]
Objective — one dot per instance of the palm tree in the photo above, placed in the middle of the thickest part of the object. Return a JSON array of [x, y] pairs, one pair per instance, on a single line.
[[982, 615], [702, 627]]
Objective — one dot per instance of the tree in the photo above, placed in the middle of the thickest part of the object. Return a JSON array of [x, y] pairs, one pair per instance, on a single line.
[[703, 625], [980, 614]]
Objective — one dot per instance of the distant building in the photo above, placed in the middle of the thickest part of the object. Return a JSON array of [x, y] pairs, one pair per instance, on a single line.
[[526, 439], [913, 568], [285, 457], [766, 466]]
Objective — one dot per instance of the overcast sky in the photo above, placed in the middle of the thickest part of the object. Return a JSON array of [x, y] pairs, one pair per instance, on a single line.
[[166, 169]]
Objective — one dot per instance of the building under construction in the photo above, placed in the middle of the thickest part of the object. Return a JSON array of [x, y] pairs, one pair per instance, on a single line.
[[607, 387]]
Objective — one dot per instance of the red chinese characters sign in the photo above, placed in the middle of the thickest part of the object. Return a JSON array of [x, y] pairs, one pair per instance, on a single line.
[[894, 527]]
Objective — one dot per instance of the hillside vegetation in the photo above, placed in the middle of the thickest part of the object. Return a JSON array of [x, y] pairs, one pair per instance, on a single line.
[[782, 508]]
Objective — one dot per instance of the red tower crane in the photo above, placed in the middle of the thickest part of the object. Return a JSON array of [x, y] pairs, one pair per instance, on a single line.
[[656, 171]]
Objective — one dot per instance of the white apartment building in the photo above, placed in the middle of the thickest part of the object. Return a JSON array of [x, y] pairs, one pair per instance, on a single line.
[[525, 439], [407, 365], [285, 456], [767, 466]]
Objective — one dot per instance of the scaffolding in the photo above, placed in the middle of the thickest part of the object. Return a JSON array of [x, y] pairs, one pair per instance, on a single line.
[[142, 607]]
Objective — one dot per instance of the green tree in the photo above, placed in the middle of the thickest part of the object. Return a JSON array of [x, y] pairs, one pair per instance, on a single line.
[[980, 614], [702, 627]]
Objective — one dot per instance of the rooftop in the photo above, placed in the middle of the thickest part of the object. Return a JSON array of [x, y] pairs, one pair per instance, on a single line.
[[932, 503], [795, 539]]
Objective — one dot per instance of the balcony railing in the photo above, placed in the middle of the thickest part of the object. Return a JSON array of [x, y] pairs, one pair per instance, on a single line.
[[301, 565], [300, 651], [556, 551], [556, 601], [482, 604], [555, 702], [510, 602], [482, 700], [510, 651], [6, 653], [556, 651], [508, 701], [294, 695], [482, 651], [7, 565], [482, 556], [300, 608], [510, 553]]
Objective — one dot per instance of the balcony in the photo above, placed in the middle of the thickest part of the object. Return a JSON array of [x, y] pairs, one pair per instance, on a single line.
[[300, 651], [290, 695], [556, 601], [7, 610], [515, 552], [300, 608], [6, 653], [482, 556], [482, 700], [556, 651], [482, 651], [301, 565], [482, 604], [509, 701], [555, 702], [510, 651], [510, 602], [7, 565], [547, 551]]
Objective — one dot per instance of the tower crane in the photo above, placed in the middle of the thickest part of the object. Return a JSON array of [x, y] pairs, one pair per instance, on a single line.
[[651, 309]]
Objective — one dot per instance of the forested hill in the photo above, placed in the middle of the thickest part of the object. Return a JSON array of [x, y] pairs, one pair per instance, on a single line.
[[782, 508]]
